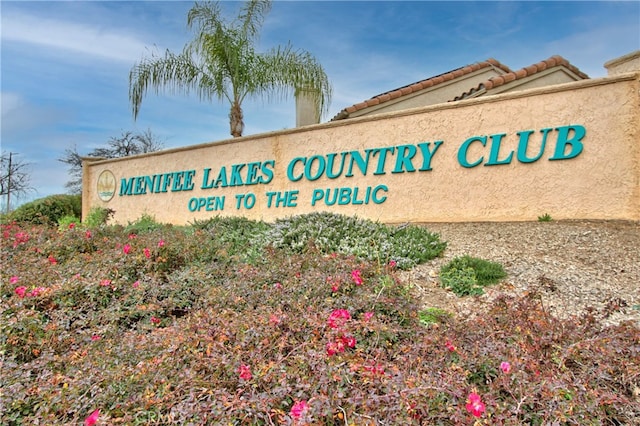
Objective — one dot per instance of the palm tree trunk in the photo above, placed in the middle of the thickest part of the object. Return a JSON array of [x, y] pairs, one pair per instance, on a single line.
[[236, 120]]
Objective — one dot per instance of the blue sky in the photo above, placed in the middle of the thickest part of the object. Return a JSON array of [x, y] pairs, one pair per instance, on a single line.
[[65, 65]]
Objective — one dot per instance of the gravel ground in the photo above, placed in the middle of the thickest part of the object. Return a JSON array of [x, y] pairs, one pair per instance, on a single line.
[[575, 265]]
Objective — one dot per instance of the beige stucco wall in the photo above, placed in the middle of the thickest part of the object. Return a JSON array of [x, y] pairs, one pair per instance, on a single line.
[[627, 63], [602, 182]]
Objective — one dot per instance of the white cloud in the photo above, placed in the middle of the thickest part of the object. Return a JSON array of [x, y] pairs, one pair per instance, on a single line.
[[71, 37]]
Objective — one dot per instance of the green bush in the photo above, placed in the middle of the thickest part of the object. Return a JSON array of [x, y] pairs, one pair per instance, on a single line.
[[144, 223], [334, 233], [98, 216], [468, 275], [48, 210]]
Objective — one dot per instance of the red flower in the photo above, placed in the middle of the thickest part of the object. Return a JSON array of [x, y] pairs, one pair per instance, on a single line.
[[449, 346], [52, 260], [474, 405], [155, 320], [161, 243], [95, 337], [72, 225], [367, 316], [338, 318], [92, 419], [126, 249], [20, 291], [245, 372], [392, 263], [147, 253], [105, 283], [13, 279], [87, 234], [298, 410], [505, 367]]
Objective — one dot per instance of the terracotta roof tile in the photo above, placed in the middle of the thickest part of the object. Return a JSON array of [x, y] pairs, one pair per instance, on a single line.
[[420, 85], [553, 61]]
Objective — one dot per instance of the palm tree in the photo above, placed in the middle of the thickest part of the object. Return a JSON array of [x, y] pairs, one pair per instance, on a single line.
[[221, 62]]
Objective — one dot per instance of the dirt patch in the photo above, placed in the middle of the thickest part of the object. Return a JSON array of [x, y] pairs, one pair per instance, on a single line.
[[574, 265]]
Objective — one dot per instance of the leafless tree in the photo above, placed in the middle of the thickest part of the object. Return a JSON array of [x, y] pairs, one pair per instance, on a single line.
[[15, 179], [127, 144]]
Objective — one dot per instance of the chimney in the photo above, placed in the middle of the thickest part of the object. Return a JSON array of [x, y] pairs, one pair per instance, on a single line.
[[307, 110]]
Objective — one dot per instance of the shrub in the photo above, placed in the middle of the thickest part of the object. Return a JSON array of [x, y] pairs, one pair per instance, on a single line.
[[468, 275], [165, 327], [98, 216], [144, 223], [545, 218], [48, 210], [333, 233], [430, 316]]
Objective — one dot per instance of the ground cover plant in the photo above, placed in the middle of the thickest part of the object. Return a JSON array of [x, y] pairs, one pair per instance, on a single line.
[[222, 322]]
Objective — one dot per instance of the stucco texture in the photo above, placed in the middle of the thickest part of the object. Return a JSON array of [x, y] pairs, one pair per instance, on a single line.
[[602, 182]]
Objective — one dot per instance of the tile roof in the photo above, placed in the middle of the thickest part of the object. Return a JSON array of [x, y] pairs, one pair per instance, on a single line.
[[420, 85], [494, 82]]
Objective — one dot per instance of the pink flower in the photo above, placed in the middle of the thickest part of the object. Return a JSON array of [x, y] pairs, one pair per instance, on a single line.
[[52, 260], [155, 320], [338, 318], [161, 243], [349, 341], [72, 225], [332, 348], [13, 279], [505, 367], [450, 346], [92, 419], [474, 405], [126, 249], [36, 292], [392, 263], [274, 319], [356, 276], [136, 284], [95, 337], [132, 236], [367, 316], [105, 283], [20, 291], [245, 372], [277, 286], [147, 253], [299, 409], [87, 234]]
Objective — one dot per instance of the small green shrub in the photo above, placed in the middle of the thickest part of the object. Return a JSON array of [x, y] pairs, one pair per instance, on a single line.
[[468, 275], [98, 216], [545, 218], [432, 315], [48, 210], [144, 223]]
